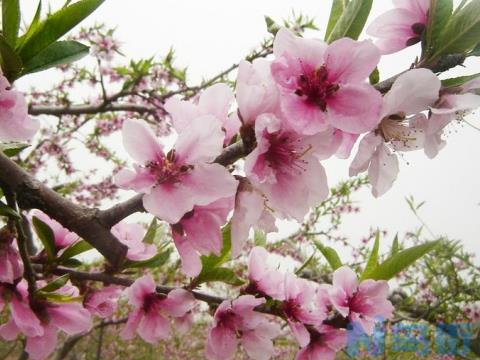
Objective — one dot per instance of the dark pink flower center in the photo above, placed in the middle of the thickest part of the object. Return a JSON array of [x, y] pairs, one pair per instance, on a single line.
[[227, 319], [292, 309], [285, 153], [166, 170], [151, 302], [315, 87], [417, 29]]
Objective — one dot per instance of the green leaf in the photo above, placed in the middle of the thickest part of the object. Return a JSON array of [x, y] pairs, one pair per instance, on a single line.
[[59, 298], [151, 232], [32, 27], [372, 262], [439, 15], [220, 274], [306, 263], [374, 77], [458, 81], [72, 263], [154, 262], [9, 60], [58, 53], [75, 249], [395, 245], [400, 261], [272, 26], [351, 22], [212, 261], [338, 6], [6, 210], [330, 254], [475, 51], [259, 238], [10, 20], [46, 236], [55, 284], [461, 33], [13, 148], [55, 26]]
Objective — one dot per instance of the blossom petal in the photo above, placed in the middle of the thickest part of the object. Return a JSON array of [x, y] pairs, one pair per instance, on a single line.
[[140, 141], [366, 149], [383, 170]]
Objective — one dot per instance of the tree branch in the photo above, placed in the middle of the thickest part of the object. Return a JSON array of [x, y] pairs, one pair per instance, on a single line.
[[89, 109], [32, 194]]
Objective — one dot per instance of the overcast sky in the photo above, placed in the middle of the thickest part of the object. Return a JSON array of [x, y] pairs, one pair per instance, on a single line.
[[210, 35]]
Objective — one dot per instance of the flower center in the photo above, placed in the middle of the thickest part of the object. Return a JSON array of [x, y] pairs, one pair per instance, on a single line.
[[166, 170], [316, 87], [394, 128], [285, 154], [151, 302]]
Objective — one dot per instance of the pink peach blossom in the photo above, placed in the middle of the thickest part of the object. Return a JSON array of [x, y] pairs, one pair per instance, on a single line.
[[402, 128], [102, 302], [285, 167], [400, 27], [236, 321], [151, 310], [199, 232], [15, 124], [250, 211], [11, 266], [174, 183], [63, 237], [325, 342], [363, 302], [131, 235], [324, 86]]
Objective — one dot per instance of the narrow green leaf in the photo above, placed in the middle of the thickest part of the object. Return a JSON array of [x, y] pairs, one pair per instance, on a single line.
[[71, 263], [475, 51], [59, 298], [330, 254], [338, 6], [10, 20], [374, 77], [55, 284], [306, 263], [395, 246], [400, 261], [351, 22], [219, 274], [439, 15], [461, 33], [259, 237], [6, 210], [58, 53], [151, 232], [33, 25], [212, 261], [10, 62], [46, 236], [55, 26], [372, 262], [13, 148], [458, 81], [154, 262], [75, 249]]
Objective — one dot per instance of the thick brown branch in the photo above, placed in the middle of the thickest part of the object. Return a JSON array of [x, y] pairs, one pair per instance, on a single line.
[[89, 109], [32, 194], [122, 210]]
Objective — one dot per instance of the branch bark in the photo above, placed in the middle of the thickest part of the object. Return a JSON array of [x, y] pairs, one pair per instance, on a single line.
[[32, 194], [89, 109]]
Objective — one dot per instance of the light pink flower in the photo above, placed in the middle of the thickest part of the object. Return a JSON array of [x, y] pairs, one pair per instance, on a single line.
[[236, 321], [15, 124], [324, 86], [263, 279], [256, 92], [285, 168], [325, 342], [132, 235], [199, 232], [215, 101], [174, 183], [400, 27], [151, 310], [63, 237], [366, 302], [402, 128], [11, 266], [299, 307], [250, 211], [102, 302], [22, 318]]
